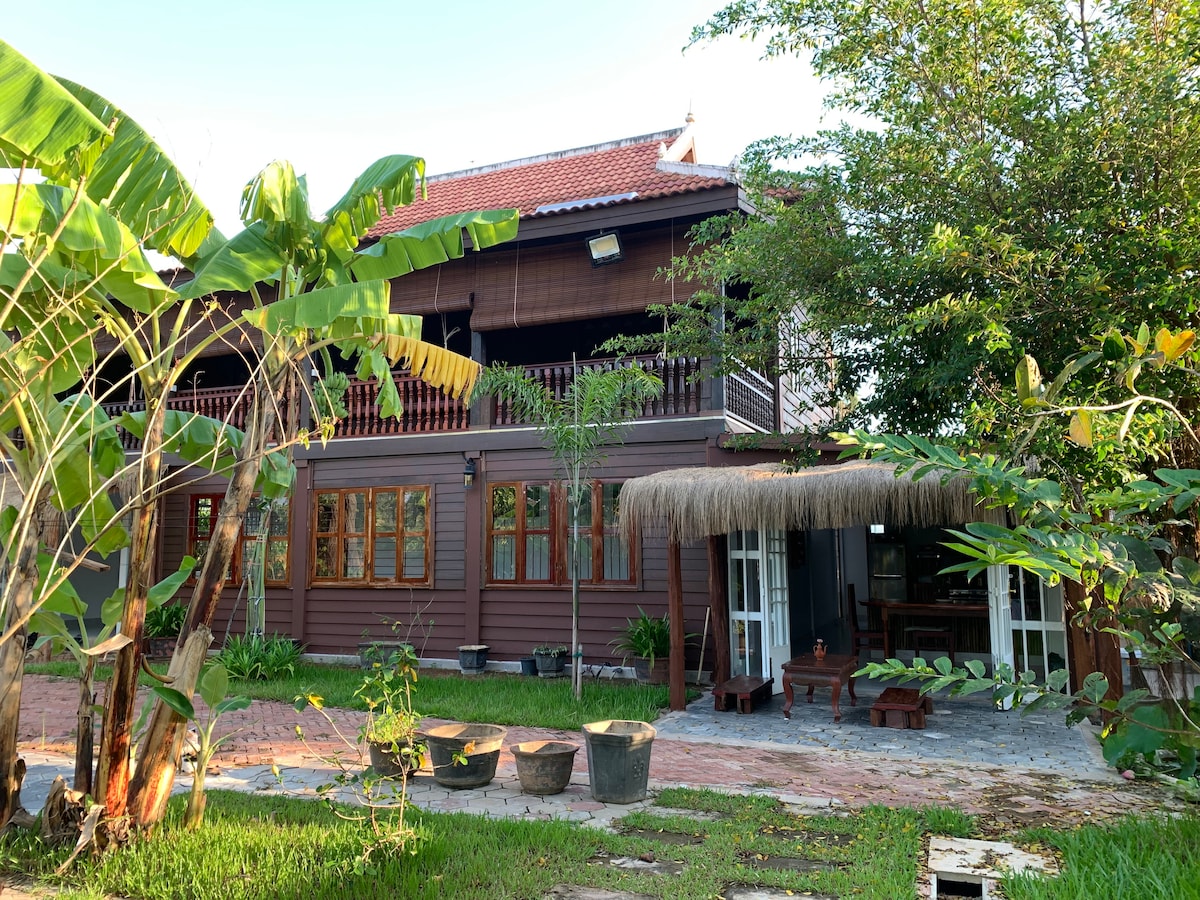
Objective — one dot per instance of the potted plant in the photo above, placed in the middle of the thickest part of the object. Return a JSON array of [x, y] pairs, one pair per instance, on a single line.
[[162, 627], [551, 661], [648, 640], [391, 727], [472, 658]]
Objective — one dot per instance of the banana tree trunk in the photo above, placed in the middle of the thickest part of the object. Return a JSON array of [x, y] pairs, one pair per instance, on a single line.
[[84, 719], [116, 735], [163, 743], [23, 578]]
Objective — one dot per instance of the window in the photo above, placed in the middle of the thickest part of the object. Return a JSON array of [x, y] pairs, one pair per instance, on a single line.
[[202, 519], [528, 532], [372, 536]]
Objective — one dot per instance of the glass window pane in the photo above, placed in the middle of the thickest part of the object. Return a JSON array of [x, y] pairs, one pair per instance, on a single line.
[[385, 511], [415, 503], [585, 558], [537, 557], [384, 564], [504, 508], [354, 512], [751, 540], [585, 508], [414, 558], [326, 513], [279, 520], [504, 557], [616, 558], [537, 506], [325, 562], [204, 516], [277, 561], [354, 557], [753, 585], [199, 549], [610, 493], [737, 575]]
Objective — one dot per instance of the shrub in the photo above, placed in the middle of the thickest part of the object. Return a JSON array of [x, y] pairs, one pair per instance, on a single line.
[[165, 621], [256, 658]]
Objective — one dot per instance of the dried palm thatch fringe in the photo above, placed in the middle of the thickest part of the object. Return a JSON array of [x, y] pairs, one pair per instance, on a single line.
[[690, 504]]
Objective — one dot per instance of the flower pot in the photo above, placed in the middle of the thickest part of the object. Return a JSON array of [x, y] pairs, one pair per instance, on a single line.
[[659, 673], [481, 746], [389, 763], [472, 658], [544, 767], [618, 753], [528, 665], [550, 665]]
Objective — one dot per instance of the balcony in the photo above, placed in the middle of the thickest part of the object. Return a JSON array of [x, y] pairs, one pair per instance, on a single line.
[[428, 410]]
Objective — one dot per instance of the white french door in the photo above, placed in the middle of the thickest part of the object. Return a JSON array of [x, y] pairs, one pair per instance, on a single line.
[[1028, 630], [759, 625]]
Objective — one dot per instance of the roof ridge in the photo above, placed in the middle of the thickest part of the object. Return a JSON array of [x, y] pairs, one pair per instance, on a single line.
[[660, 136]]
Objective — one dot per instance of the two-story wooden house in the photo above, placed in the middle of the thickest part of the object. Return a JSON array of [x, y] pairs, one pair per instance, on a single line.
[[454, 515]]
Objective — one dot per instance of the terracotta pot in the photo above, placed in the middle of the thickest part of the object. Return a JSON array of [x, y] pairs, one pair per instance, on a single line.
[[659, 673]]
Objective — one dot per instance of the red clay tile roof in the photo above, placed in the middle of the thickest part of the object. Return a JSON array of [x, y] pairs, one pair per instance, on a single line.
[[589, 173]]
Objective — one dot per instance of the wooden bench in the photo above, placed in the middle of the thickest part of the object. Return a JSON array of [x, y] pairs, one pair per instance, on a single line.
[[901, 708], [747, 689]]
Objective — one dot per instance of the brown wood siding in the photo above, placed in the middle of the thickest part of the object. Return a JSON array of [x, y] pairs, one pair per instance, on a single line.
[[338, 619], [526, 286]]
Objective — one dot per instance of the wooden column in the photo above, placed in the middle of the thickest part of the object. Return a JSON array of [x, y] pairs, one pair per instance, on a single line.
[[675, 610], [718, 601], [474, 499]]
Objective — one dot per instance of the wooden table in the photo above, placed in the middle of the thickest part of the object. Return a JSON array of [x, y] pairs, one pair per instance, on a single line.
[[834, 670], [924, 610]]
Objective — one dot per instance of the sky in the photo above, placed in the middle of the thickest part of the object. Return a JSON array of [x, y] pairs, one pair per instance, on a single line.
[[227, 87]]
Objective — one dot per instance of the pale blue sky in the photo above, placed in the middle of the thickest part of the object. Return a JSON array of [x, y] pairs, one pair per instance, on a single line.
[[228, 86]]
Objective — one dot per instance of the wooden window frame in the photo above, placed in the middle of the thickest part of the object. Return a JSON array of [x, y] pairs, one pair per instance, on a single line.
[[235, 561], [559, 542], [368, 578]]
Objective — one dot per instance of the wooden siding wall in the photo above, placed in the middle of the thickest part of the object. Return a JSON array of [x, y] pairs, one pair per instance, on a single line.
[[334, 619]]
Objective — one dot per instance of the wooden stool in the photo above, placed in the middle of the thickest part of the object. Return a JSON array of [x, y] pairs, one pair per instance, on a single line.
[[747, 689], [901, 708]]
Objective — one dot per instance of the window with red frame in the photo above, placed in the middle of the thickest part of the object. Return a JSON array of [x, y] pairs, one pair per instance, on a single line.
[[372, 536], [528, 527], [202, 519]]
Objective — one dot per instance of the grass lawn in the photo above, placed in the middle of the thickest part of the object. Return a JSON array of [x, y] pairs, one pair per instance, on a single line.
[[263, 847], [446, 694]]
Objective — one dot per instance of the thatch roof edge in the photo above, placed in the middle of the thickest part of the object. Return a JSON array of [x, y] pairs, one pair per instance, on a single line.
[[690, 504]]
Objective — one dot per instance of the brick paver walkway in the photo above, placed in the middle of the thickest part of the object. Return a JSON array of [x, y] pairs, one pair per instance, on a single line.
[[784, 765]]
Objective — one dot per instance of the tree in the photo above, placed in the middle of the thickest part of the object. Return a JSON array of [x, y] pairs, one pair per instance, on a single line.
[[1026, 178], [593, 412], [78, 239]]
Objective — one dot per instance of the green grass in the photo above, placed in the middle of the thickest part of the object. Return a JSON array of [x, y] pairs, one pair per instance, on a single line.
[[445, 694], [1145, 858], [262, 847]]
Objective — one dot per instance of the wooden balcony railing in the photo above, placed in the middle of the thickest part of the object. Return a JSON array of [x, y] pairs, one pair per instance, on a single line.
[[428, 410], [751, 397], [425, 409], [681, 395]]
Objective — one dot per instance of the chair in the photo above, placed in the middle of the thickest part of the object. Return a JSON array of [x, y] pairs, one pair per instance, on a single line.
[[933, 638], [860, 639]]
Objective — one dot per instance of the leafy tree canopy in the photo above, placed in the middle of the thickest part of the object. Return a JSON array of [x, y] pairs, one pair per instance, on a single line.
[[1030, 182]]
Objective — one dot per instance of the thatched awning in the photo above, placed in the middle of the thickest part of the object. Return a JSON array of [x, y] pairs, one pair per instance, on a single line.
[[689, 504]]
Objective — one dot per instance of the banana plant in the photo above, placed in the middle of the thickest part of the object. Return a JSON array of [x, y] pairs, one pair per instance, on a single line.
[[213, 688]]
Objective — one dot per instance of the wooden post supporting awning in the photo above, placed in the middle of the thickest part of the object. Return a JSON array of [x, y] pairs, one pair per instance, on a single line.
[[677, 670]]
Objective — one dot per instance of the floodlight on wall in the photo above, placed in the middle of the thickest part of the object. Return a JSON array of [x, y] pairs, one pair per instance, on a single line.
[[605, 248]]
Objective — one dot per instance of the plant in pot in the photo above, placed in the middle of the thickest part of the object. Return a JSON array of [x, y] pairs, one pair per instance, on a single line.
[[162, 627], [551, 660], [648, 640], [391, 728]]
